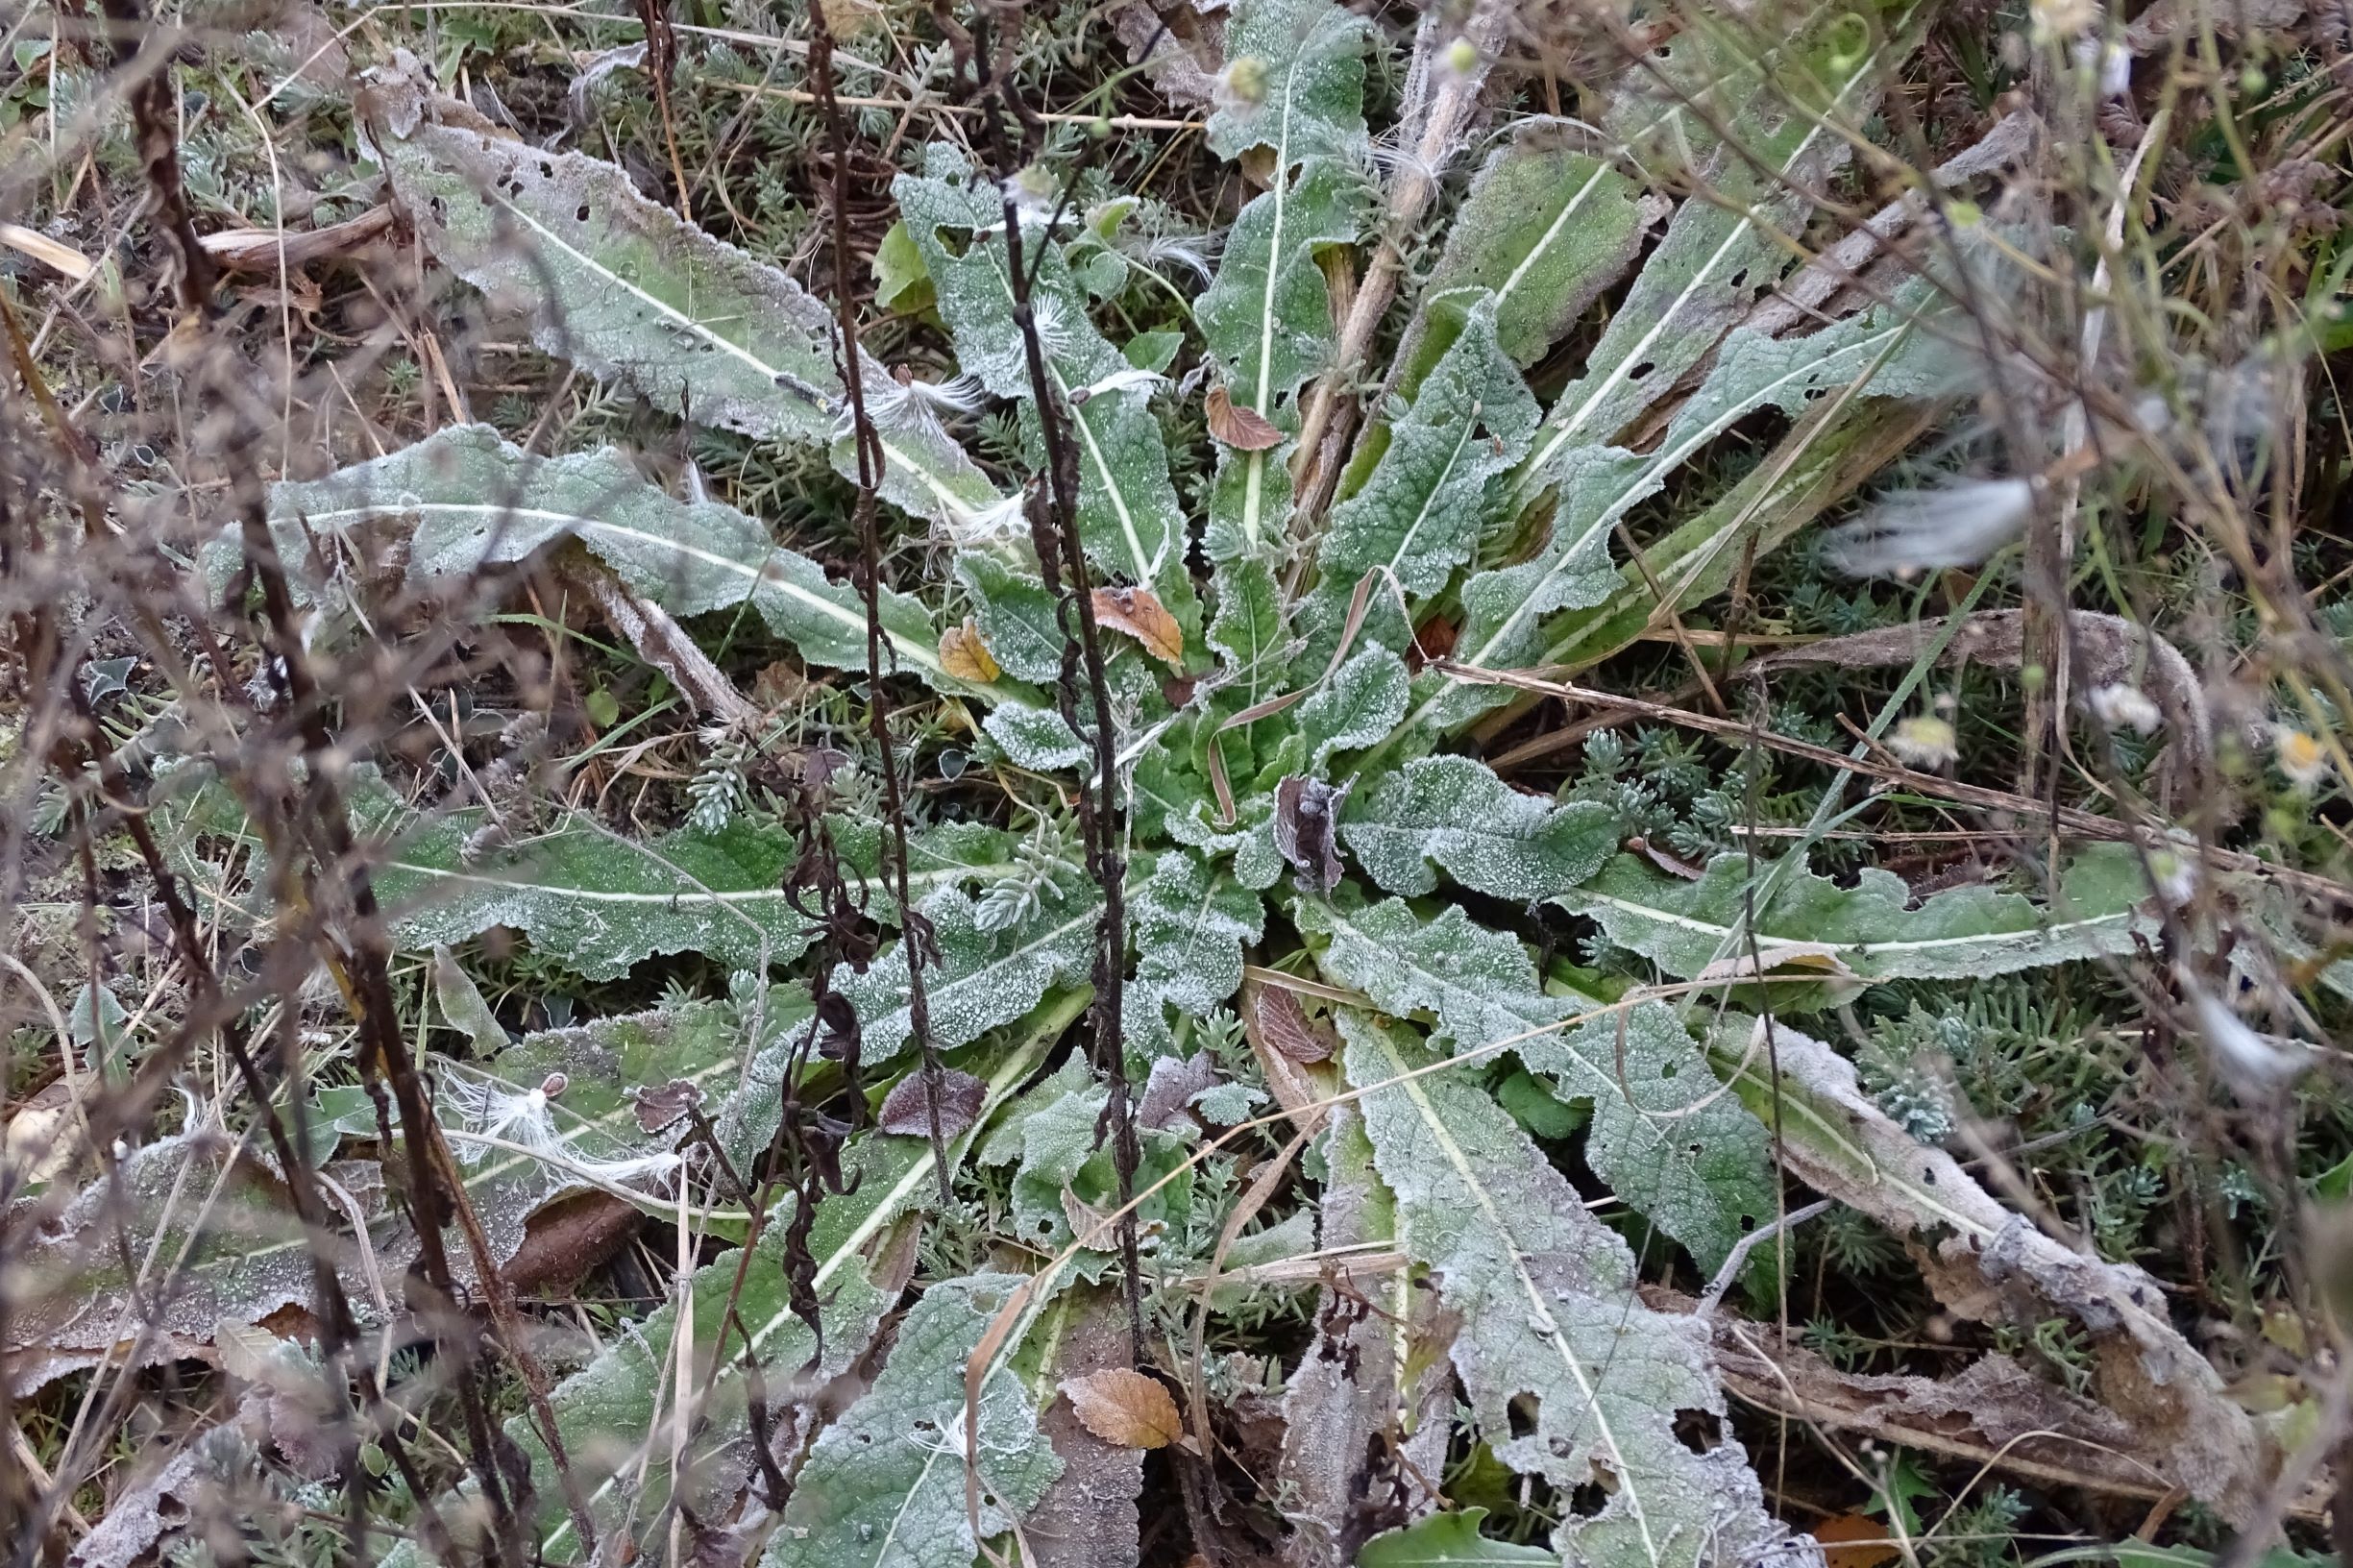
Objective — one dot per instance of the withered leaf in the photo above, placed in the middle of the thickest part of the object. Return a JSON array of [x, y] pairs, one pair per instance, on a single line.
[[907, 1108], [1856, 1540], [1170, 1090], [1245, 428], [1124, 1406], [1289, 1029], [964, 654], [1307, 811], [1139, 613], [658, 1108], [1095, 1229]]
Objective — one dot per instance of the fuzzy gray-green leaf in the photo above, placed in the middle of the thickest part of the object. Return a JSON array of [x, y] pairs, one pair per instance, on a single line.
[[1546, 1298], [1546, 229], [985, 977], [623, 287], [472, 499], [885, 1485], [1451, 812], [1665, 1137], [1873, 929]]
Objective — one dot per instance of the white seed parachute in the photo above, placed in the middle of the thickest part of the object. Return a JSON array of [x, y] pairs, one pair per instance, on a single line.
[[488, 1114]]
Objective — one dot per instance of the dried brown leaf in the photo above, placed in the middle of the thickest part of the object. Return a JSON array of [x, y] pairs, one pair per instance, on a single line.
[[1139, 613], [964, 654], [1307, 814], [1290, 1030], [1123, 1407], [1856, 1540], [1245, 429], [658, 1108], [907, 1108]]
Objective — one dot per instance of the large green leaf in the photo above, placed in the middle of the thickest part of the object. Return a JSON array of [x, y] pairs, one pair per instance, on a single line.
[[1872, 929], [473, 498], [885, 1485], [1188, 922], [1419, 512], [986, 974], [1665, 1137], [622, 286], [617, 1415], [1129, 517], [586, 896], [1545, 229], [1553, 1342], [1596, 486], [1267, 315], [1453, 813]]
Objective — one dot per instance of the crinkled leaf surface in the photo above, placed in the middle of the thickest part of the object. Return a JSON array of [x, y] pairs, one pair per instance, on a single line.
[[1454, 814], [1548, 1309], [1418, 513], [1188, 920], [984, 977], [885, 1485], [627, 1396], [1665, 1137]]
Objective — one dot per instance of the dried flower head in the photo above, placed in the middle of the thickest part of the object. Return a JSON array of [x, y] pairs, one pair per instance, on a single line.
[[2119, 706], [1924, 741]]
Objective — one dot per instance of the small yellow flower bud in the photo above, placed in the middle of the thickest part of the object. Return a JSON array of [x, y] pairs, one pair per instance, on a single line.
[[1462, 57], [1243, 83], [1924, 742]]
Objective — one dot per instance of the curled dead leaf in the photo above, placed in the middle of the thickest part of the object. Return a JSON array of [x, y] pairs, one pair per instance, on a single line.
[[907, 1108], [1245, 428], [964, 655], [1140, 613], [1307, 819], [1124, 1406], [1289, 1029]]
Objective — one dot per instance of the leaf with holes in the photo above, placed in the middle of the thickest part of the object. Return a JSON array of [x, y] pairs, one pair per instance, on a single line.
[[1569, 1375]]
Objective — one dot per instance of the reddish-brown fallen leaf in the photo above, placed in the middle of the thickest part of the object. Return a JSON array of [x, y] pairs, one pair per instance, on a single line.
[[964, 655], [1139, 613], [1245, 428], [1126, 1407], [1856, 1540], [907, 1108], [1290, 1030]]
